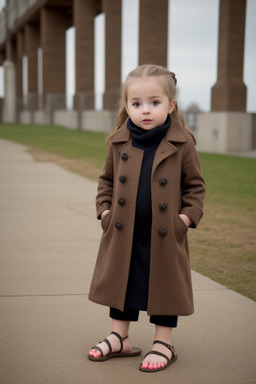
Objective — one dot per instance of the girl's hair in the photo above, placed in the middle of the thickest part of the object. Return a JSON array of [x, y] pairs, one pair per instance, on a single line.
[[169, 83]]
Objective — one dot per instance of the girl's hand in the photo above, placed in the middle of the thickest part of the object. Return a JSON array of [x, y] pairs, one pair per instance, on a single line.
[[185, 219], [104, 213]]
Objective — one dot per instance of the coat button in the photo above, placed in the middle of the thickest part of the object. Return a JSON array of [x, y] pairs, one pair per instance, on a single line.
[[162, 232], [163, 181], [118, 225], [124, 156], [121, 201], [163, 206], [122, 179]]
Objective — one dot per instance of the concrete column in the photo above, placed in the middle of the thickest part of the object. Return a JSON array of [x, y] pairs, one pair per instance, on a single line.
[[53, 43], [229, 93], [153, 32], [84, 14], [32, 42], [19, 72], [12, 54], [113, 15], [11, 50], [9, 109]]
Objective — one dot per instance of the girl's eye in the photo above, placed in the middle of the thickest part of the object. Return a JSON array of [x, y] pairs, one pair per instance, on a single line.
[[155, 102], [136, 104]]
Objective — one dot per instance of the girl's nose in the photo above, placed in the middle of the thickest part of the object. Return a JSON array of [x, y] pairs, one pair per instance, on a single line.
[[146, 109]]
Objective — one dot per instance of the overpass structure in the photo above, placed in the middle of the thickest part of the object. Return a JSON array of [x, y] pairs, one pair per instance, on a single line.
[[36, 30]]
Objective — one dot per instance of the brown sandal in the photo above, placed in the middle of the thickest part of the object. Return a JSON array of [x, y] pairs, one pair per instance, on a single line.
[[110, 355], [169, 361]]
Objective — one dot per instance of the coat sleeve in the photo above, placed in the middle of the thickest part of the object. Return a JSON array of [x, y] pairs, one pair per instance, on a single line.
[[192, 184], [105, 185]]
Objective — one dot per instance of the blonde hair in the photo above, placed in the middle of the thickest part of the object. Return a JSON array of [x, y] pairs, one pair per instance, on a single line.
[[147, 70]]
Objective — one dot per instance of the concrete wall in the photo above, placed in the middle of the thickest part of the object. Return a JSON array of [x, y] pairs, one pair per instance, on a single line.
[[225, 132], [95, 121], [68, 119], [98, 121]]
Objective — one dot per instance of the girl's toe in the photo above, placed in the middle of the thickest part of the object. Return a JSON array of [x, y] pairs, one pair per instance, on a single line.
[[94, 353], [145, 365]]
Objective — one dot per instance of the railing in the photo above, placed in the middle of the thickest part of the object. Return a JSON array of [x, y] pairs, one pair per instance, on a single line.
[[56, 101], [22, 7], [13, 10], [31, 105], [3, 26]]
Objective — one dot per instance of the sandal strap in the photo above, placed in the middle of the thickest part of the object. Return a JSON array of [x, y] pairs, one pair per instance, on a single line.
[[158, 354], [100, 350], [121, 339], [109, 346], [169, 346]]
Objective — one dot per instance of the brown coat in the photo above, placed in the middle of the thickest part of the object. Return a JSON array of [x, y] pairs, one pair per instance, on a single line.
[[177, 181]]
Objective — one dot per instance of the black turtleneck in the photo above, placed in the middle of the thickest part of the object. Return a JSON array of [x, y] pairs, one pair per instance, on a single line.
[[137, 289], [144, 138]]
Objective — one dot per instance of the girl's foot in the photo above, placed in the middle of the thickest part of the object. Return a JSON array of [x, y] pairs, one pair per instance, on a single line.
[[115, 345], [161, 355]]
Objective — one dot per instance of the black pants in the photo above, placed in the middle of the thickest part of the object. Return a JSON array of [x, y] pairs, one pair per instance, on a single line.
[[133, 315]]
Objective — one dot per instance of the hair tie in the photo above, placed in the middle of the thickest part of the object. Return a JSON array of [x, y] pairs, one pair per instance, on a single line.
[[173, 77]]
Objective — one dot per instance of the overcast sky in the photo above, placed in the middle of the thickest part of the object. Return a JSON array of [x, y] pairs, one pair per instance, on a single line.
[[192, 49], [193, 46]]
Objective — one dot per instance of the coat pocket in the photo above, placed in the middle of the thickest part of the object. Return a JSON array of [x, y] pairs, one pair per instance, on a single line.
[[106, 221], [180, 228]]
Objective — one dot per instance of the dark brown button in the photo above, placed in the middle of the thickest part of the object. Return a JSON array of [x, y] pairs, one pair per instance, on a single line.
[[162, 232], [121, 201], [124, 156], [122, 179], [163, 181], [163, 206], [118, 225]]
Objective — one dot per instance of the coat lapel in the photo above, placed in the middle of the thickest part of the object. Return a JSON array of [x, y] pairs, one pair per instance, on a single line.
[[166, 148], [175, 134], [121, 135]]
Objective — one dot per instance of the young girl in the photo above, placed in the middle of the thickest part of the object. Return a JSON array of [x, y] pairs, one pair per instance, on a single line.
[[150, 192]]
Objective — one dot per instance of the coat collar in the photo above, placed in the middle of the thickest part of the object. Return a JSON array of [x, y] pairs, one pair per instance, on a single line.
[[175, 134]]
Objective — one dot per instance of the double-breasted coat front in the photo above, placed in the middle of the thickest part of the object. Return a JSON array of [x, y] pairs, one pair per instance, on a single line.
[[177, 186]]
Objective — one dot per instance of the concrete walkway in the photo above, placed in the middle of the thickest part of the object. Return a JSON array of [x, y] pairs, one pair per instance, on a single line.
[[48, 244]]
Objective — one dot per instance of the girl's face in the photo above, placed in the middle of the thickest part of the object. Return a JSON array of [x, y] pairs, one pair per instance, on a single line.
[[147, 102]]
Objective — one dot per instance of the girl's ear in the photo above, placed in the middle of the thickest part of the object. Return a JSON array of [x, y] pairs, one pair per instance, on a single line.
[[172, 105]]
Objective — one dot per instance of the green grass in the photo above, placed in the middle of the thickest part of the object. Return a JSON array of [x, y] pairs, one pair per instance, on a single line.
[[73, 144], [224, 245], [230, 180]]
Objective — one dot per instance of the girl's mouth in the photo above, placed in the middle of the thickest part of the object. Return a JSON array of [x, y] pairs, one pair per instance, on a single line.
[[146, 121]]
